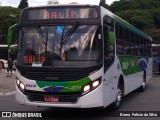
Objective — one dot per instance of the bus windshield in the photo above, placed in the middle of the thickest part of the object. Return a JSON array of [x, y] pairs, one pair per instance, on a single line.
[[58, 47]]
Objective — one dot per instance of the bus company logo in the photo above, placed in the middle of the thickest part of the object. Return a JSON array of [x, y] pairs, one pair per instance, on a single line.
[[53, 88], [142, 64], [31, 85], [52, 78]]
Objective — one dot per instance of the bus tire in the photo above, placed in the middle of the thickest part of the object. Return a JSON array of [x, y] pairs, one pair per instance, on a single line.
[[116, 104], [143, 86]]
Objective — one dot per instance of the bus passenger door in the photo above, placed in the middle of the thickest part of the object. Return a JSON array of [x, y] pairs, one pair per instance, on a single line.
[[109, 56]]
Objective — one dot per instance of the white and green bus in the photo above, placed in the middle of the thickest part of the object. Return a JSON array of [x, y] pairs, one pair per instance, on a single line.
[[79, 56]]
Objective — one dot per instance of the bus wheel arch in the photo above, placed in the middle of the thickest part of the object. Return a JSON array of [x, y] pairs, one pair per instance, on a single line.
[[119, 93], [121, 84]]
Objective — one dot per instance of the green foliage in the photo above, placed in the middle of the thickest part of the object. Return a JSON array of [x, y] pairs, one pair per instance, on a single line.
[[143, 14], [154, 33], [8, 17], [121, 5], [141, 19], [156, 17]]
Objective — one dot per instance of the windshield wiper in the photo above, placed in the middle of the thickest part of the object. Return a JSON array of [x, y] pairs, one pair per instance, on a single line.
[[39, 31], [44, 39], [65, 39]]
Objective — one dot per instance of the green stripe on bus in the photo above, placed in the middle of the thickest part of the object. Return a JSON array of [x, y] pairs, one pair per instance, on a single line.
[[132, 64], [67, 86]]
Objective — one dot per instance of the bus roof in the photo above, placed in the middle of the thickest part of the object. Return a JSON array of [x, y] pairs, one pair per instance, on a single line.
[[60, 5]]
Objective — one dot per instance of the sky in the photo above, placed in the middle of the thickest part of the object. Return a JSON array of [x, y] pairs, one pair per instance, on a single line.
[[15, 3]]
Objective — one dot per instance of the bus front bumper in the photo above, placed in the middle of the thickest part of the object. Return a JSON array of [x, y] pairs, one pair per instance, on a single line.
[[90, 100]]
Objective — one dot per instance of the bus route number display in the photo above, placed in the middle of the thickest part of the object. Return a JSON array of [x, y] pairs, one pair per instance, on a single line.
[[61, 13]]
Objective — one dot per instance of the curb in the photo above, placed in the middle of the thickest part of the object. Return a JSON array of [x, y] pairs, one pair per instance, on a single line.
[[7, 93]]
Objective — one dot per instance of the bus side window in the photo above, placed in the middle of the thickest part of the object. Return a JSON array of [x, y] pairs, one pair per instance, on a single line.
[[108, 48]]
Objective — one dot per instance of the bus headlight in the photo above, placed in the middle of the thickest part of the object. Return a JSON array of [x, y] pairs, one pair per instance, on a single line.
[[91, 86], [86, 88], [20, 85], [95, 83]]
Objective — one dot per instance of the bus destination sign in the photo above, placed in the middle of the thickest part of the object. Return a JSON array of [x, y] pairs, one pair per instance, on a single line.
[[61, 13]]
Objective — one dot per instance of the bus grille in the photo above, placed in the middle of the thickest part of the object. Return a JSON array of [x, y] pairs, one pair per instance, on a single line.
[[52, 74]]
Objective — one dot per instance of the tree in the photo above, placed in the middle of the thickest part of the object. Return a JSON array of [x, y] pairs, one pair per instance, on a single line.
[[141, 19], [8, 17], [154, 33], [121, 5], [23, 4], [102, 2], [156, 17], [143, 14]]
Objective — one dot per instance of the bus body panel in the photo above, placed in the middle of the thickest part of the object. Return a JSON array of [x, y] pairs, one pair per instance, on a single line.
[[111, 82]]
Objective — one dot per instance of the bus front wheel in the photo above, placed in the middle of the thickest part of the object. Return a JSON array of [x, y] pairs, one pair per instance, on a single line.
[[116, 104], [142, 88]]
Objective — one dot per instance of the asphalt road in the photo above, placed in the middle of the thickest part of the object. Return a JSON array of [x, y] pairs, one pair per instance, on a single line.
[[136, 102]]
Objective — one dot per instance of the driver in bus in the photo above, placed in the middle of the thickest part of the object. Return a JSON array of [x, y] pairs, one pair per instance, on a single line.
[[29, 55], [29, 48]]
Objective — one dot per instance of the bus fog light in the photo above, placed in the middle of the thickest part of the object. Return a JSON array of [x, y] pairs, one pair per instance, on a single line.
[[86, 88], [95, 83], [22, 86]]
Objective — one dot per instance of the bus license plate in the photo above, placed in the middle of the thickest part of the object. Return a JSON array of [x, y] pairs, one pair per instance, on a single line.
[[51, 99]]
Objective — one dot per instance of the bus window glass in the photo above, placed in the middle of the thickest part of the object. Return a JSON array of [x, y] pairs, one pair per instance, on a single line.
[[43, 45], [119, 47]]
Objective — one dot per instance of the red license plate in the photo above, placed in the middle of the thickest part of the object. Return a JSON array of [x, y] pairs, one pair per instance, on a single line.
[[51, 99]]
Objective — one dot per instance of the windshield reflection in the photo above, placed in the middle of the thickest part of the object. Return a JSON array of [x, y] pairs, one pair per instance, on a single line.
[[43, 46]]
